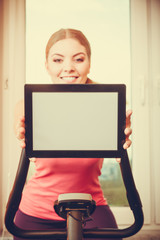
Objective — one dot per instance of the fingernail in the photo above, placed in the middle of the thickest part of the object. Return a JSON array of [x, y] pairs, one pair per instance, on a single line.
[[125, 146]]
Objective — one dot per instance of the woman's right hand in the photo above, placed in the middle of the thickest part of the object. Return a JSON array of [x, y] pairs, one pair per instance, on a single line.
[[20, 134], [20, 131]]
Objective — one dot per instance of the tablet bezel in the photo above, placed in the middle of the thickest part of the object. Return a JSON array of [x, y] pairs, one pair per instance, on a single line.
[[118, 88]]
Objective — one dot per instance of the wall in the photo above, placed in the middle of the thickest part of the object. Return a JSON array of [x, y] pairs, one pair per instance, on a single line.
[[12, 80]]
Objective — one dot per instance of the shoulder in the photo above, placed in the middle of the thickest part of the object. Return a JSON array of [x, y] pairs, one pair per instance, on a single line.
[[89, 81]]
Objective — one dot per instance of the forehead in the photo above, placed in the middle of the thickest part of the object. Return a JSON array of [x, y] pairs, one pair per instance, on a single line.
[[67, 46]]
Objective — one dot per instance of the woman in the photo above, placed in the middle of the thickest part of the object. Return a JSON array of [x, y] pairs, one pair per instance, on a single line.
[[67, 61]]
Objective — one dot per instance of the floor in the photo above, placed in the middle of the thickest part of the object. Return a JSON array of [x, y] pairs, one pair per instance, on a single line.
[[145, 235]]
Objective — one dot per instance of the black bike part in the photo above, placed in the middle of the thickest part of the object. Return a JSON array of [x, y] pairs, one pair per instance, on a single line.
[[15, 197], [85, 206], [134, 203], [74, 225], [13, 204]]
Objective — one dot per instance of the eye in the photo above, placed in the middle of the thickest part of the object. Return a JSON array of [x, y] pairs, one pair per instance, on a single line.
[[57, 60], [79, 60]]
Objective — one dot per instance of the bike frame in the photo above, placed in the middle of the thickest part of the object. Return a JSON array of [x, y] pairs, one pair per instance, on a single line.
[[15, 198]]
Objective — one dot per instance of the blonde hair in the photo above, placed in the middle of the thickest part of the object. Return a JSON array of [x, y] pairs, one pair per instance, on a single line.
[[69, 33]]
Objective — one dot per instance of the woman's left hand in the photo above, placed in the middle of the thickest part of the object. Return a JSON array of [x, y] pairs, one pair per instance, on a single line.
[[128, 130]]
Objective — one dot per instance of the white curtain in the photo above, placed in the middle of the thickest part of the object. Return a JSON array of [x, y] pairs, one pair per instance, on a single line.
[[13, 79]]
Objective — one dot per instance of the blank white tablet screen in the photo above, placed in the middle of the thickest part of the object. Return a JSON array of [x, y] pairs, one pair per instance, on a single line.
[[75, 120]]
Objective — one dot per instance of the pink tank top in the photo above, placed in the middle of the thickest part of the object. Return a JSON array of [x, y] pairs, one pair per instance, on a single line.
[[55, 176]]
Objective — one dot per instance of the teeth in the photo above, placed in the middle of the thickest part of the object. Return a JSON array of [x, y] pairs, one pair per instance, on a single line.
[[68, 78]]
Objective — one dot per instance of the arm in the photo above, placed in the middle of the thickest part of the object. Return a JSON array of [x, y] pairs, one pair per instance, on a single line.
[[128, 130], [19, 123]]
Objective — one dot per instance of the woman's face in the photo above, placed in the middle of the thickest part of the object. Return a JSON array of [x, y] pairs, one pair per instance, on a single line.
[[68, 62]]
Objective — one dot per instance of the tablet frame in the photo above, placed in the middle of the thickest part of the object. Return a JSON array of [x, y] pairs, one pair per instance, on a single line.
[[118, 88]]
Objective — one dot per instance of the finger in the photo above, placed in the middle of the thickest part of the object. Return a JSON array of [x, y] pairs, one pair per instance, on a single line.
[[22, 144], [128, 113], [22, 124], [128, 118], [21, 130], [128, 132], [127, 144], [118, 160], [19, 127], [21, 133], [33, 159], [22, 119], [20, 136]]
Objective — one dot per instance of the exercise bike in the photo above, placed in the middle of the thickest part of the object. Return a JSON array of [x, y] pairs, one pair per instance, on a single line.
[[74, 208]]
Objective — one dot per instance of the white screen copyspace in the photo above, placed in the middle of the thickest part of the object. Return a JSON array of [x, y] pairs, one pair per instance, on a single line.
[[75, 121]]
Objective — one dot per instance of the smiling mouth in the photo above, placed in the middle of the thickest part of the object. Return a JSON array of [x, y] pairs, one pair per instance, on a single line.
[[69, 79]]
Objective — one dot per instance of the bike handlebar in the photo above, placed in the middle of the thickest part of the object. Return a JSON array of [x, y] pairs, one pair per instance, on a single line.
[[15, 198]]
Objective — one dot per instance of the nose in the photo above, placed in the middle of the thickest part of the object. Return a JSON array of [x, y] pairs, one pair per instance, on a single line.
[[68, 66]]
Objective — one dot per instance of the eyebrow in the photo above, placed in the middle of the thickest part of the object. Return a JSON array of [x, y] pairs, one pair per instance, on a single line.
[[57, 54], [79, 54]]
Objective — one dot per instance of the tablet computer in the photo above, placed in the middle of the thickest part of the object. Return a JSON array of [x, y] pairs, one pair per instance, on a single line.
[[75, 120]]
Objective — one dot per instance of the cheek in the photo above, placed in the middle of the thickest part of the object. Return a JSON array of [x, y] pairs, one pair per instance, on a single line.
[[84, 70], [53, 69]]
